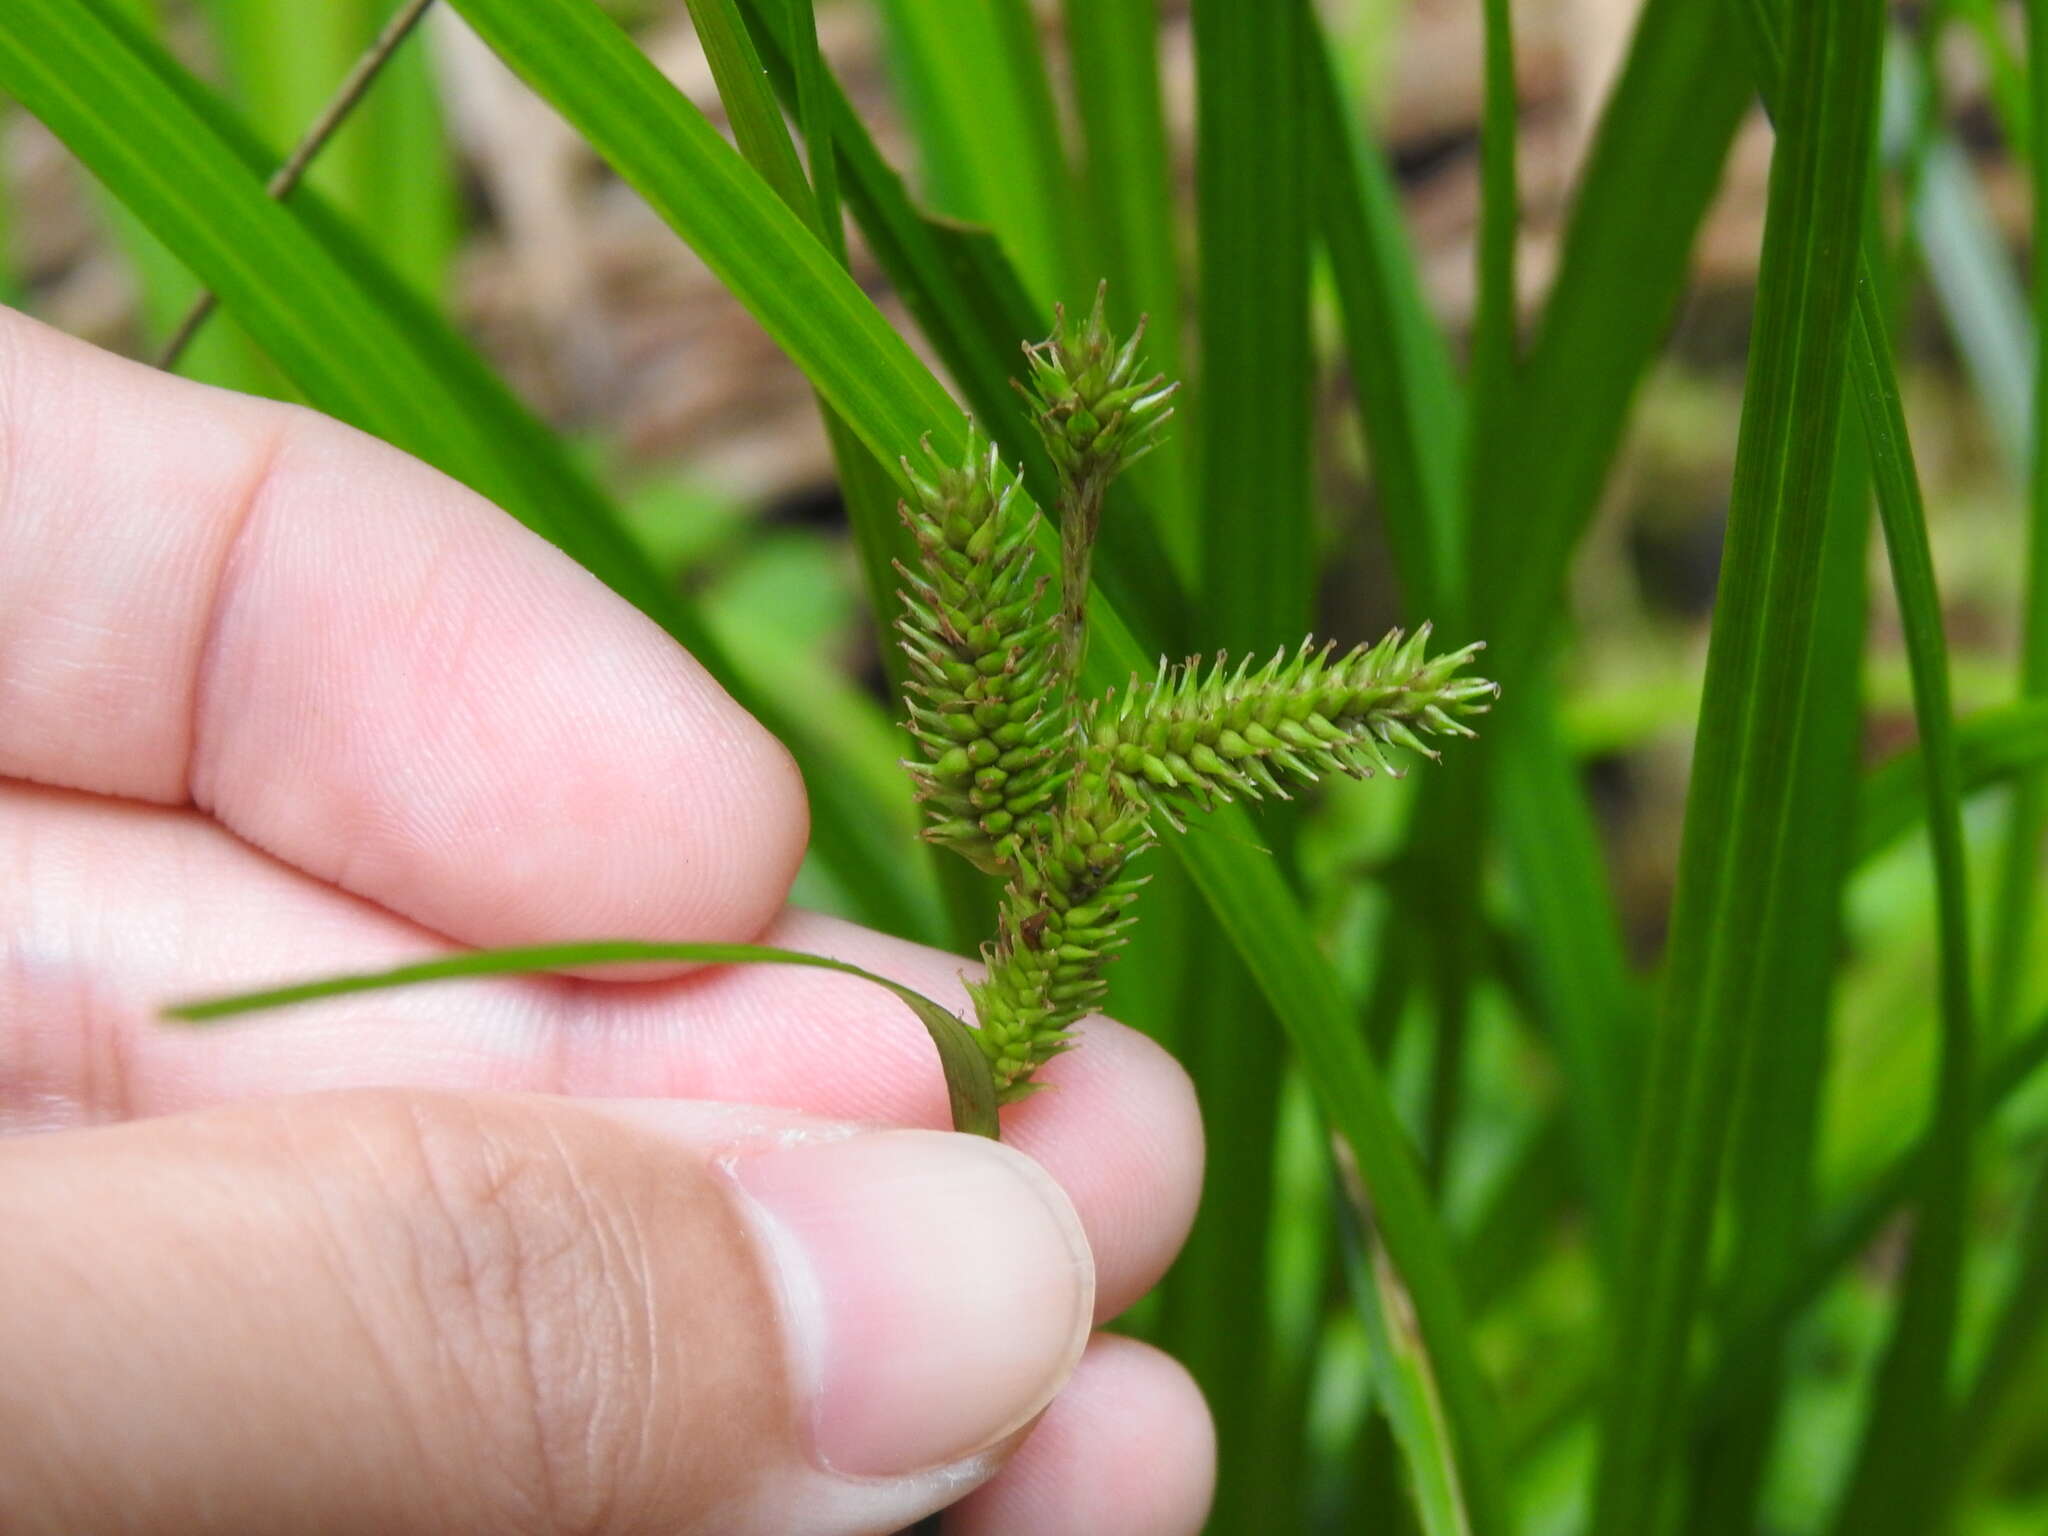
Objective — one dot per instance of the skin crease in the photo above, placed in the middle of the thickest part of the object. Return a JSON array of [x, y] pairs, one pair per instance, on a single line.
[[279, 700]]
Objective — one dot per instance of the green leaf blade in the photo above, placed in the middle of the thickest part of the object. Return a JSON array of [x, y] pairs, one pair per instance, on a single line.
[[1253, 233], [969, 1086], [1743, 783], [973, 80]]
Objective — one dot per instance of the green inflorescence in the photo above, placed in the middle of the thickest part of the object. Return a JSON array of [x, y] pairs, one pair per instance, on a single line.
[[1058, 800], [986, 704], [1094, 407], [1062, 916], [1196, 736]]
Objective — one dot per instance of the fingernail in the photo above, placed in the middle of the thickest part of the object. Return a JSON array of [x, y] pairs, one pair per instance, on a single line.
[[937, 1290]]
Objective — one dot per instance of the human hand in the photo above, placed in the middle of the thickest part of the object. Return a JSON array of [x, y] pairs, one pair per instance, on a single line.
[[277, 700]]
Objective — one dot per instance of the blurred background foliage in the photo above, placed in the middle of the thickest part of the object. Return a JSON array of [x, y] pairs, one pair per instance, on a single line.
[[1181, 157]]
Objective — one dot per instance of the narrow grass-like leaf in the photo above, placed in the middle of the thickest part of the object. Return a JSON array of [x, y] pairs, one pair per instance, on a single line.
[[1258, 912], [869, 494], [1254, 527], [1654, 166], [813, 107], [969, 1086], [1408, 399], [1113, 55], [1219, 1299], [1414, 421], [750, 106], [973, 81], [866, 487], [1453, 808], [1408, 1386], [2015, 918], [1894, 1486], [1850, 1231], [1257, 571], [959, 285], [591, 72], [1743, 786], [763, 139], [1771, 1163], [1843, 1235], [1495, 321]]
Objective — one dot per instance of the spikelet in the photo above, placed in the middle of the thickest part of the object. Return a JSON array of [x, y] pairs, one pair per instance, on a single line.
[[1094, 405], [1098, 413], [985, 706], [1197, 734], [1062, 918]]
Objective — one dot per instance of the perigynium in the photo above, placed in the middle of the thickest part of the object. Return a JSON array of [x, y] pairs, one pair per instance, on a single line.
[[1057, 797]]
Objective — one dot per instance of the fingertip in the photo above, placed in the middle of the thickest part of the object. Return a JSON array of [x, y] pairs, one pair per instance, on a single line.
[[1127, 1447], [936, 1289], [1137, 1174]]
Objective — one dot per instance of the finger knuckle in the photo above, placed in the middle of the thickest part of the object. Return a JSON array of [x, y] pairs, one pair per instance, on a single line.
[[529, 1284]]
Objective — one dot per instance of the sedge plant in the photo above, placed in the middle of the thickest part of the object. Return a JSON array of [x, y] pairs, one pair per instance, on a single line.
[[1770, 1097]]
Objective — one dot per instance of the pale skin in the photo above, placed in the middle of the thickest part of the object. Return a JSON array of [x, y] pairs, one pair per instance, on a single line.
[[276, 700]]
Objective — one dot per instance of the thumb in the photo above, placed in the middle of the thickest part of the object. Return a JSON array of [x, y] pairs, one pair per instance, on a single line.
[[402, 1311]]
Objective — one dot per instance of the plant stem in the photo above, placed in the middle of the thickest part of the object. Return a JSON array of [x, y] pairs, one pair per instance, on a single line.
[[1080, 520], [285, 179]]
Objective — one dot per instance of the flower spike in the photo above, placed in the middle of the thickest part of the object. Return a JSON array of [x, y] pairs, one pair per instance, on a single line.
[[1055, 798]]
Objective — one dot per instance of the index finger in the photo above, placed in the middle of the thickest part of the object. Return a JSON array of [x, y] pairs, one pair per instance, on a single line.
[[360, 666]]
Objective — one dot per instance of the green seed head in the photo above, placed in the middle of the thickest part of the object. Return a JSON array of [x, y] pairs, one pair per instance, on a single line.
[[1200, 734], [977, 634], [1063, 917], [1094, 406]]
